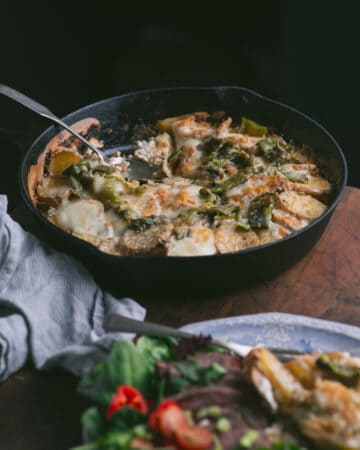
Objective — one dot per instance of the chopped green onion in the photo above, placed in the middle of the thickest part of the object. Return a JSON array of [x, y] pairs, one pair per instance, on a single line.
[[223, 425], [249, 438]]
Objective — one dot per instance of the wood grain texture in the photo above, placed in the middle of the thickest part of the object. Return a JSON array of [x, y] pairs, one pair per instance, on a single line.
[[325, 284], [41, 411]]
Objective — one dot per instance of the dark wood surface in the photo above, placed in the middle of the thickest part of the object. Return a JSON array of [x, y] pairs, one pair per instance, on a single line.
[[41, 411]]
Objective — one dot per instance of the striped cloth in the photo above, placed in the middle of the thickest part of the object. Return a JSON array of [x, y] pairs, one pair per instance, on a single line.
[[51, 310]]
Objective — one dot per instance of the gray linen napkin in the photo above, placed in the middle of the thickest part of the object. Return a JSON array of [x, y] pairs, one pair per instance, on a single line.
[[51, 310]]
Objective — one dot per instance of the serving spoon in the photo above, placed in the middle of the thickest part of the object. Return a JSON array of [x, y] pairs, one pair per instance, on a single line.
[[119, 323], [137, 169]]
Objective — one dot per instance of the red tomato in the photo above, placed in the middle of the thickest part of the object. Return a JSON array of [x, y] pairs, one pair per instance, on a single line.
[[154, 416], [170, 419], [193, 437], [126, 396]]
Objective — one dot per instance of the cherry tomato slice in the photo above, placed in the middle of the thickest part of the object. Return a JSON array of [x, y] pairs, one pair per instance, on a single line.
[[193, 437], [170, 420], [154, 416]]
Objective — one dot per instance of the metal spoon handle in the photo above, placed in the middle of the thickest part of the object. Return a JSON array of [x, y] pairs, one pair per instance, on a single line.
[[44, 112], [115, 322]]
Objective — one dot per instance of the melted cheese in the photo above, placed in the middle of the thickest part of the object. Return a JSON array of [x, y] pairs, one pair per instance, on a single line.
[[230, 238], [201, 241], [274, 232], [101, 183], [85, 217], [53, 187], [254, 186], [154, 151], [165, 199], [183, 228], [188, 137]]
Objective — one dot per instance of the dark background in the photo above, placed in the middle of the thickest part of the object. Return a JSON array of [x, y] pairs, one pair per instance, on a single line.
[[69, 54]]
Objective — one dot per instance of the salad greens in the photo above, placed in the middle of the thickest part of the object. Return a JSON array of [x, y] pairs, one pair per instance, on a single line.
[[192, 373], [128, 363], [130, 368]]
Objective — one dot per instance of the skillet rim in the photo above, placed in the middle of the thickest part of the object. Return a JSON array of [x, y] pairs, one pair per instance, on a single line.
[[95, 250]]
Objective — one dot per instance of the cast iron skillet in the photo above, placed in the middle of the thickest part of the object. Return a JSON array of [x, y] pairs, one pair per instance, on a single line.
[[219, 272]]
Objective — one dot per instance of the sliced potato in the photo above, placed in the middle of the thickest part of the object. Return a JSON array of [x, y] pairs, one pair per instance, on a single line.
[[53, 187], [146, 241], [62, 161], [229, 238], [109, 245], [288, 220], [314, 186], [274, 232], [83, 217], [166, 124], [301, 205]]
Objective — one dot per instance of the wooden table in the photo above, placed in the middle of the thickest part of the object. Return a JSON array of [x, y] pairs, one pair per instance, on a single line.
[[41, 411]]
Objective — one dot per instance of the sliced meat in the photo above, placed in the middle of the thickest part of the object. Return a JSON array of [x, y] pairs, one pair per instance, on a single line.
[[239, 428], [195, 398], [227, 360], [242, 408], [232, 364]]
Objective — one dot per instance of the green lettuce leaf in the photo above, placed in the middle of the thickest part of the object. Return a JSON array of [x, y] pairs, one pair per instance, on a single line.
[[126, 364]]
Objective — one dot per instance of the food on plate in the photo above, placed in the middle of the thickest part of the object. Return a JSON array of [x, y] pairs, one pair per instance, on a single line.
[[159, 393], [218, 187]]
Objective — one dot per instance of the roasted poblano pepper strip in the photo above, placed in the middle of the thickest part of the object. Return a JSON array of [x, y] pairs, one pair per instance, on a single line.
[[174, 157], [144, 223], [211, 198], [296, 177], [221, 188], [89, 168], [114, 201], [260, 210], [276, 150], [76, 186], [241, 220], [337, 369], [252, 128], [220, 154]]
